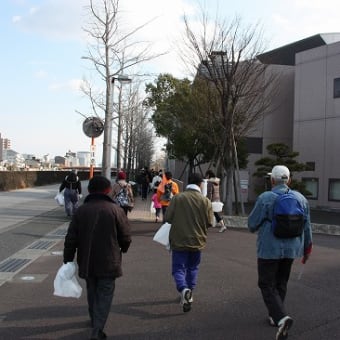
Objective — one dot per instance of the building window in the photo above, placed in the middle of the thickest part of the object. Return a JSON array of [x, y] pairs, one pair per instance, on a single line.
[[312, 185], [254, 145], [310, 166], [336, 88], [334, 190]]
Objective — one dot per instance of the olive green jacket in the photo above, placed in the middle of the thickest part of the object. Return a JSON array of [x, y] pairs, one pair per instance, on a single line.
[[190, 215]]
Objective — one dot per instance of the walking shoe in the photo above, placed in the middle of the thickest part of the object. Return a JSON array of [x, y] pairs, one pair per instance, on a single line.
[[186, 299], [223, 229], [284, 325], [271, 321], [97, 334]]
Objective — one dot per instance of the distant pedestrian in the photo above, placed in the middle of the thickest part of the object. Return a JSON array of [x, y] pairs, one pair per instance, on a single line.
[[275, 254], [157, 205], [166, 190], [143, 181], [156, 180], [72, 191], [99, 233], [122, 193], [213, 193], [190, 215]]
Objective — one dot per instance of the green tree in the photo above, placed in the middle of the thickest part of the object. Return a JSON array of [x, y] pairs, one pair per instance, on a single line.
[[280, 154], [177, 115], [238, 86]]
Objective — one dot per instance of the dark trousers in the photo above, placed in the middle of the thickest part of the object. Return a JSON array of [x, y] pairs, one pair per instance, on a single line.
[[99, 298], [273, 276], [158, 212], [163, 212], [217, 217], [185, 268]]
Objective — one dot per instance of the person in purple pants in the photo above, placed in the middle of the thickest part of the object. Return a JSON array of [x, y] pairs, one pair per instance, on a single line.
[[190, 215]]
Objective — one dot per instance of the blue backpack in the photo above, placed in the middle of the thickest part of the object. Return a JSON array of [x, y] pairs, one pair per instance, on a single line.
[[288, 216]]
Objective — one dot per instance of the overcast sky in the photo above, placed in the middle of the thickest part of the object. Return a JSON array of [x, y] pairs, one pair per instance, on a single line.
[[42, 43]]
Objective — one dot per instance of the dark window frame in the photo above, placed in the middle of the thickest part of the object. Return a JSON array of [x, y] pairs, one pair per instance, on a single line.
[[330, 181], [254, 145], [336, 88], [310, 197]]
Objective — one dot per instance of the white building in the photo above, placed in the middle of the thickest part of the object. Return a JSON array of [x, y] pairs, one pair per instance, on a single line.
[[84, 158]]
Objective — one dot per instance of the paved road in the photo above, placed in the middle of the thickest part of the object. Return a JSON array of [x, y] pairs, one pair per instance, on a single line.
[[227, 301]]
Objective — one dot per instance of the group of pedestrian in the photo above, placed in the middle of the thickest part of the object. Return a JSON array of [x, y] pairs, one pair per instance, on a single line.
[[100, 232], [282, 237]]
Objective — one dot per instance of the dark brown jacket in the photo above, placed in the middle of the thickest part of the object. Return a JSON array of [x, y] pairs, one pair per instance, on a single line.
[[99, 232]]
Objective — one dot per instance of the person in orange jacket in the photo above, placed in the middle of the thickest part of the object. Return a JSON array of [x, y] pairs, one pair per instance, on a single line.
[[166, 190]]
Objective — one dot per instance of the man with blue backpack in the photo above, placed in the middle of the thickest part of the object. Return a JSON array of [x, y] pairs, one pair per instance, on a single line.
[[282, 219]]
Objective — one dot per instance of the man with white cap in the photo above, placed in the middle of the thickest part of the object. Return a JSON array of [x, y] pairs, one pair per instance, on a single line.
[[276, 253]]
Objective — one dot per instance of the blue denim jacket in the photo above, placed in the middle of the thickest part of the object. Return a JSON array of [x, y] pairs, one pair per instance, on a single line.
[[269, 246]]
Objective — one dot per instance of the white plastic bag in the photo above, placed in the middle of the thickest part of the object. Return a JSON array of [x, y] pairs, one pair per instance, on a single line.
[[60, 199], [162, 235], [152, 209], [65, 282], [205, 187], [217, 206]]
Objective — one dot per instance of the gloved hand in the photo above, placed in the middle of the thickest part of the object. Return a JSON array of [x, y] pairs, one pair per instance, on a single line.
[[305, 258], [307, 253]]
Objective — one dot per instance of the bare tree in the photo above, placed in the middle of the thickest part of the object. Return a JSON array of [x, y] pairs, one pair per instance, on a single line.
[[223, 56], [111, 51]]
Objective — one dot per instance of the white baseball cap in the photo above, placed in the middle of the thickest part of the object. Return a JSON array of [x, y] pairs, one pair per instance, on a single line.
[[280, 172]]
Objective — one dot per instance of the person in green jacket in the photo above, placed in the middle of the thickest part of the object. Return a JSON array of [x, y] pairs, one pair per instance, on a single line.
[[190, 215]]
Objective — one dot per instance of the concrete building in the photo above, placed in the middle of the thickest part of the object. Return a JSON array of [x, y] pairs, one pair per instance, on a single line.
[[308, 112], [84, 158], [304, 114]]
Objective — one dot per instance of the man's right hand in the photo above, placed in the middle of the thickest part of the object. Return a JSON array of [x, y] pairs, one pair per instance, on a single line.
[[305, 258]]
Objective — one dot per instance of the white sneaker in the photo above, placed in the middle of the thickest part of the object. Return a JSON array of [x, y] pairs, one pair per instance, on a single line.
[[186, 299], [222, 229], [284, 325], [271, 322]]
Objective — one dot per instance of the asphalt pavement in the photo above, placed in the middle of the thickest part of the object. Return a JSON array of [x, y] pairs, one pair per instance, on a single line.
[[227, 303]]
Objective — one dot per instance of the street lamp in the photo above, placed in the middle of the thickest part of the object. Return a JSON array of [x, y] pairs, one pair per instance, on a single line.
[[107, 143]]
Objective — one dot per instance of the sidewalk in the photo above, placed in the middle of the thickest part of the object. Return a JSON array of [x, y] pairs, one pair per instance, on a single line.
[[141, 210]]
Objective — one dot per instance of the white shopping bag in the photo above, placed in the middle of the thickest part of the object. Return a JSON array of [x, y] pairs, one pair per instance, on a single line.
[[60, 199], [152, 208], [162, 235], [65, 282], [205, 187], [217, 206]]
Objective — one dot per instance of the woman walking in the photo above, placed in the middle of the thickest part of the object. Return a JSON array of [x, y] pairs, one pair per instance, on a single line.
[[213, 193]]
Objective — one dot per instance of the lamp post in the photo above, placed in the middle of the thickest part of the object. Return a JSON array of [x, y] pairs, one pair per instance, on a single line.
[[107, 143]]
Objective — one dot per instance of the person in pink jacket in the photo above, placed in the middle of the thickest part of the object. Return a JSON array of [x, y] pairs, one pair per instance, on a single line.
[[156, 204]]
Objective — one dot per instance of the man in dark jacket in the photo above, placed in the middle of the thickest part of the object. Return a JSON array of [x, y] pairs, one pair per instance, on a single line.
[[99, 232]]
